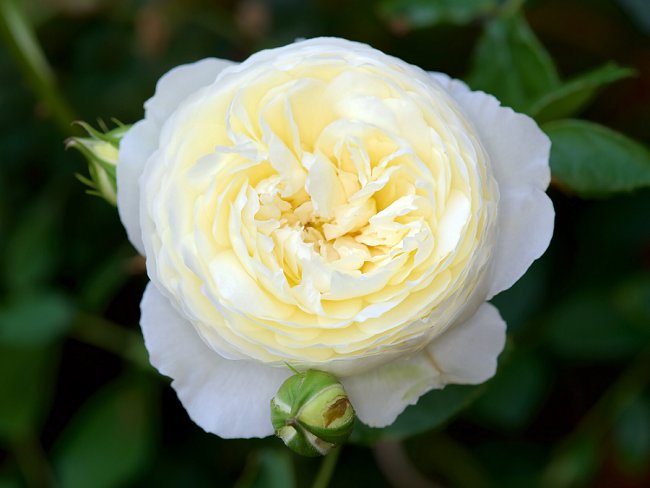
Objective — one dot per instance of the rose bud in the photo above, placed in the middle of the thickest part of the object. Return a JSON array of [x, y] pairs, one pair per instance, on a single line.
[[311, 413], [326, 205], [101, 150]]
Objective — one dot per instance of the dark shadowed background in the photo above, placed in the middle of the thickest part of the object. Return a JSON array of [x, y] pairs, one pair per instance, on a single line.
[[570, 404]]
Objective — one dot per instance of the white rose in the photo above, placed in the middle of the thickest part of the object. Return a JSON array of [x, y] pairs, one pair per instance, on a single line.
[[328, 206]]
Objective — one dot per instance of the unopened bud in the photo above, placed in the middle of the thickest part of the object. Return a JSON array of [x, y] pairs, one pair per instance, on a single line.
[[101, 151], [311, 413]]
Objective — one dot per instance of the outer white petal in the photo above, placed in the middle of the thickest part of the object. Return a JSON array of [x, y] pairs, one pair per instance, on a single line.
[[142, 139], [135, 148], [466, 354], [224, 397], [179, 83], [519, 152], [381, 394]]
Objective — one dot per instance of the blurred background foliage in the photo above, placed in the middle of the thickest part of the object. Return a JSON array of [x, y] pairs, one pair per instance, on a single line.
[[570, 404]]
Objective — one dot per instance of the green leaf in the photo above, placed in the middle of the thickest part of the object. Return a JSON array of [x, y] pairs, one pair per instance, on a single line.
[[632, 299], [511, 64], [639, 12], [31, 249], [632, 436], [574, 466], [36, 318], [515, 393], [519, 304], [592, 160], [587, 326], [432, 410], [449, 460], [7, 482], [268, 468], [104, 280], [572, 96], [109, 441], [26, 380], [425, 13], [19, 37], [512, 460]]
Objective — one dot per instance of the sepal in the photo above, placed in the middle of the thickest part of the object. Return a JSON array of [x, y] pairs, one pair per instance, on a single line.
[[101, 150]]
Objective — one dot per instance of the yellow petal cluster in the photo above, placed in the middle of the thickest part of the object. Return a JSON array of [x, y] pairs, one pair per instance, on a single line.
[[323, 205]]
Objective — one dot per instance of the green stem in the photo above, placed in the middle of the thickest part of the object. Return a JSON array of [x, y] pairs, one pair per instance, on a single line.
[[454, 462], [33, 463], [111, 337], [327, 468], [21, 40], [509, 8], [394, 463]]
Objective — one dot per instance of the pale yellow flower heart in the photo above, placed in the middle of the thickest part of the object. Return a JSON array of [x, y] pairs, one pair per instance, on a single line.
[[328, 206]]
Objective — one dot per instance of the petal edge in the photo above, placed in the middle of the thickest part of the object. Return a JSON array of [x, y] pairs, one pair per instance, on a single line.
[[465, 354], [228, 398], [519, 152]]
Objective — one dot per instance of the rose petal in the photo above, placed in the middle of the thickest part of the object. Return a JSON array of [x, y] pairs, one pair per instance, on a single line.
[[179, 83], [225, 397], [135, 148], [142, 139], [466, 354], [381, 394], [519, 152]]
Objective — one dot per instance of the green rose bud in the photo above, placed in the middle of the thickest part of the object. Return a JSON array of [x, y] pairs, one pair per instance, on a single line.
[[101, 150], [311, 413]]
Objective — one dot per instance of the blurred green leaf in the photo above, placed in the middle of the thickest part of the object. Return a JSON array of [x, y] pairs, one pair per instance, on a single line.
[[269, 468], [35, 318], [15, 23], [9, 482], [639, 12], [632, 299], [511, 64], [514, 395], [448, 459], [425, 13], [515, 463], [19, 36], [593, 160], [588, 326], [432, 410], [574, 466], [105, 279], [606, 227], [518, 304], [109, 440], [632, 436], [573, 95], [30, 255], [26, 381]]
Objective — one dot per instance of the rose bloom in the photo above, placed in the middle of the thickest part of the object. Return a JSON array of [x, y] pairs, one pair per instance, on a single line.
[[324, 205]]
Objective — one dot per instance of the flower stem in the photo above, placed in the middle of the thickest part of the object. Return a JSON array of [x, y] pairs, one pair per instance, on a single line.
[[327, 468], [394, 463], [33, 463], [21, 40], [111, 337], [508, 8]]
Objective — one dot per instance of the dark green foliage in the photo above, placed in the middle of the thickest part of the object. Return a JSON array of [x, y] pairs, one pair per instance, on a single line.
[[569, 405], [510, 63], [593, 160], [110, 438]]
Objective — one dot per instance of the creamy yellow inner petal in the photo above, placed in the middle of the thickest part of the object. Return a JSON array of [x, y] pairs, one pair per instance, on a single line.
[[321, 210]]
